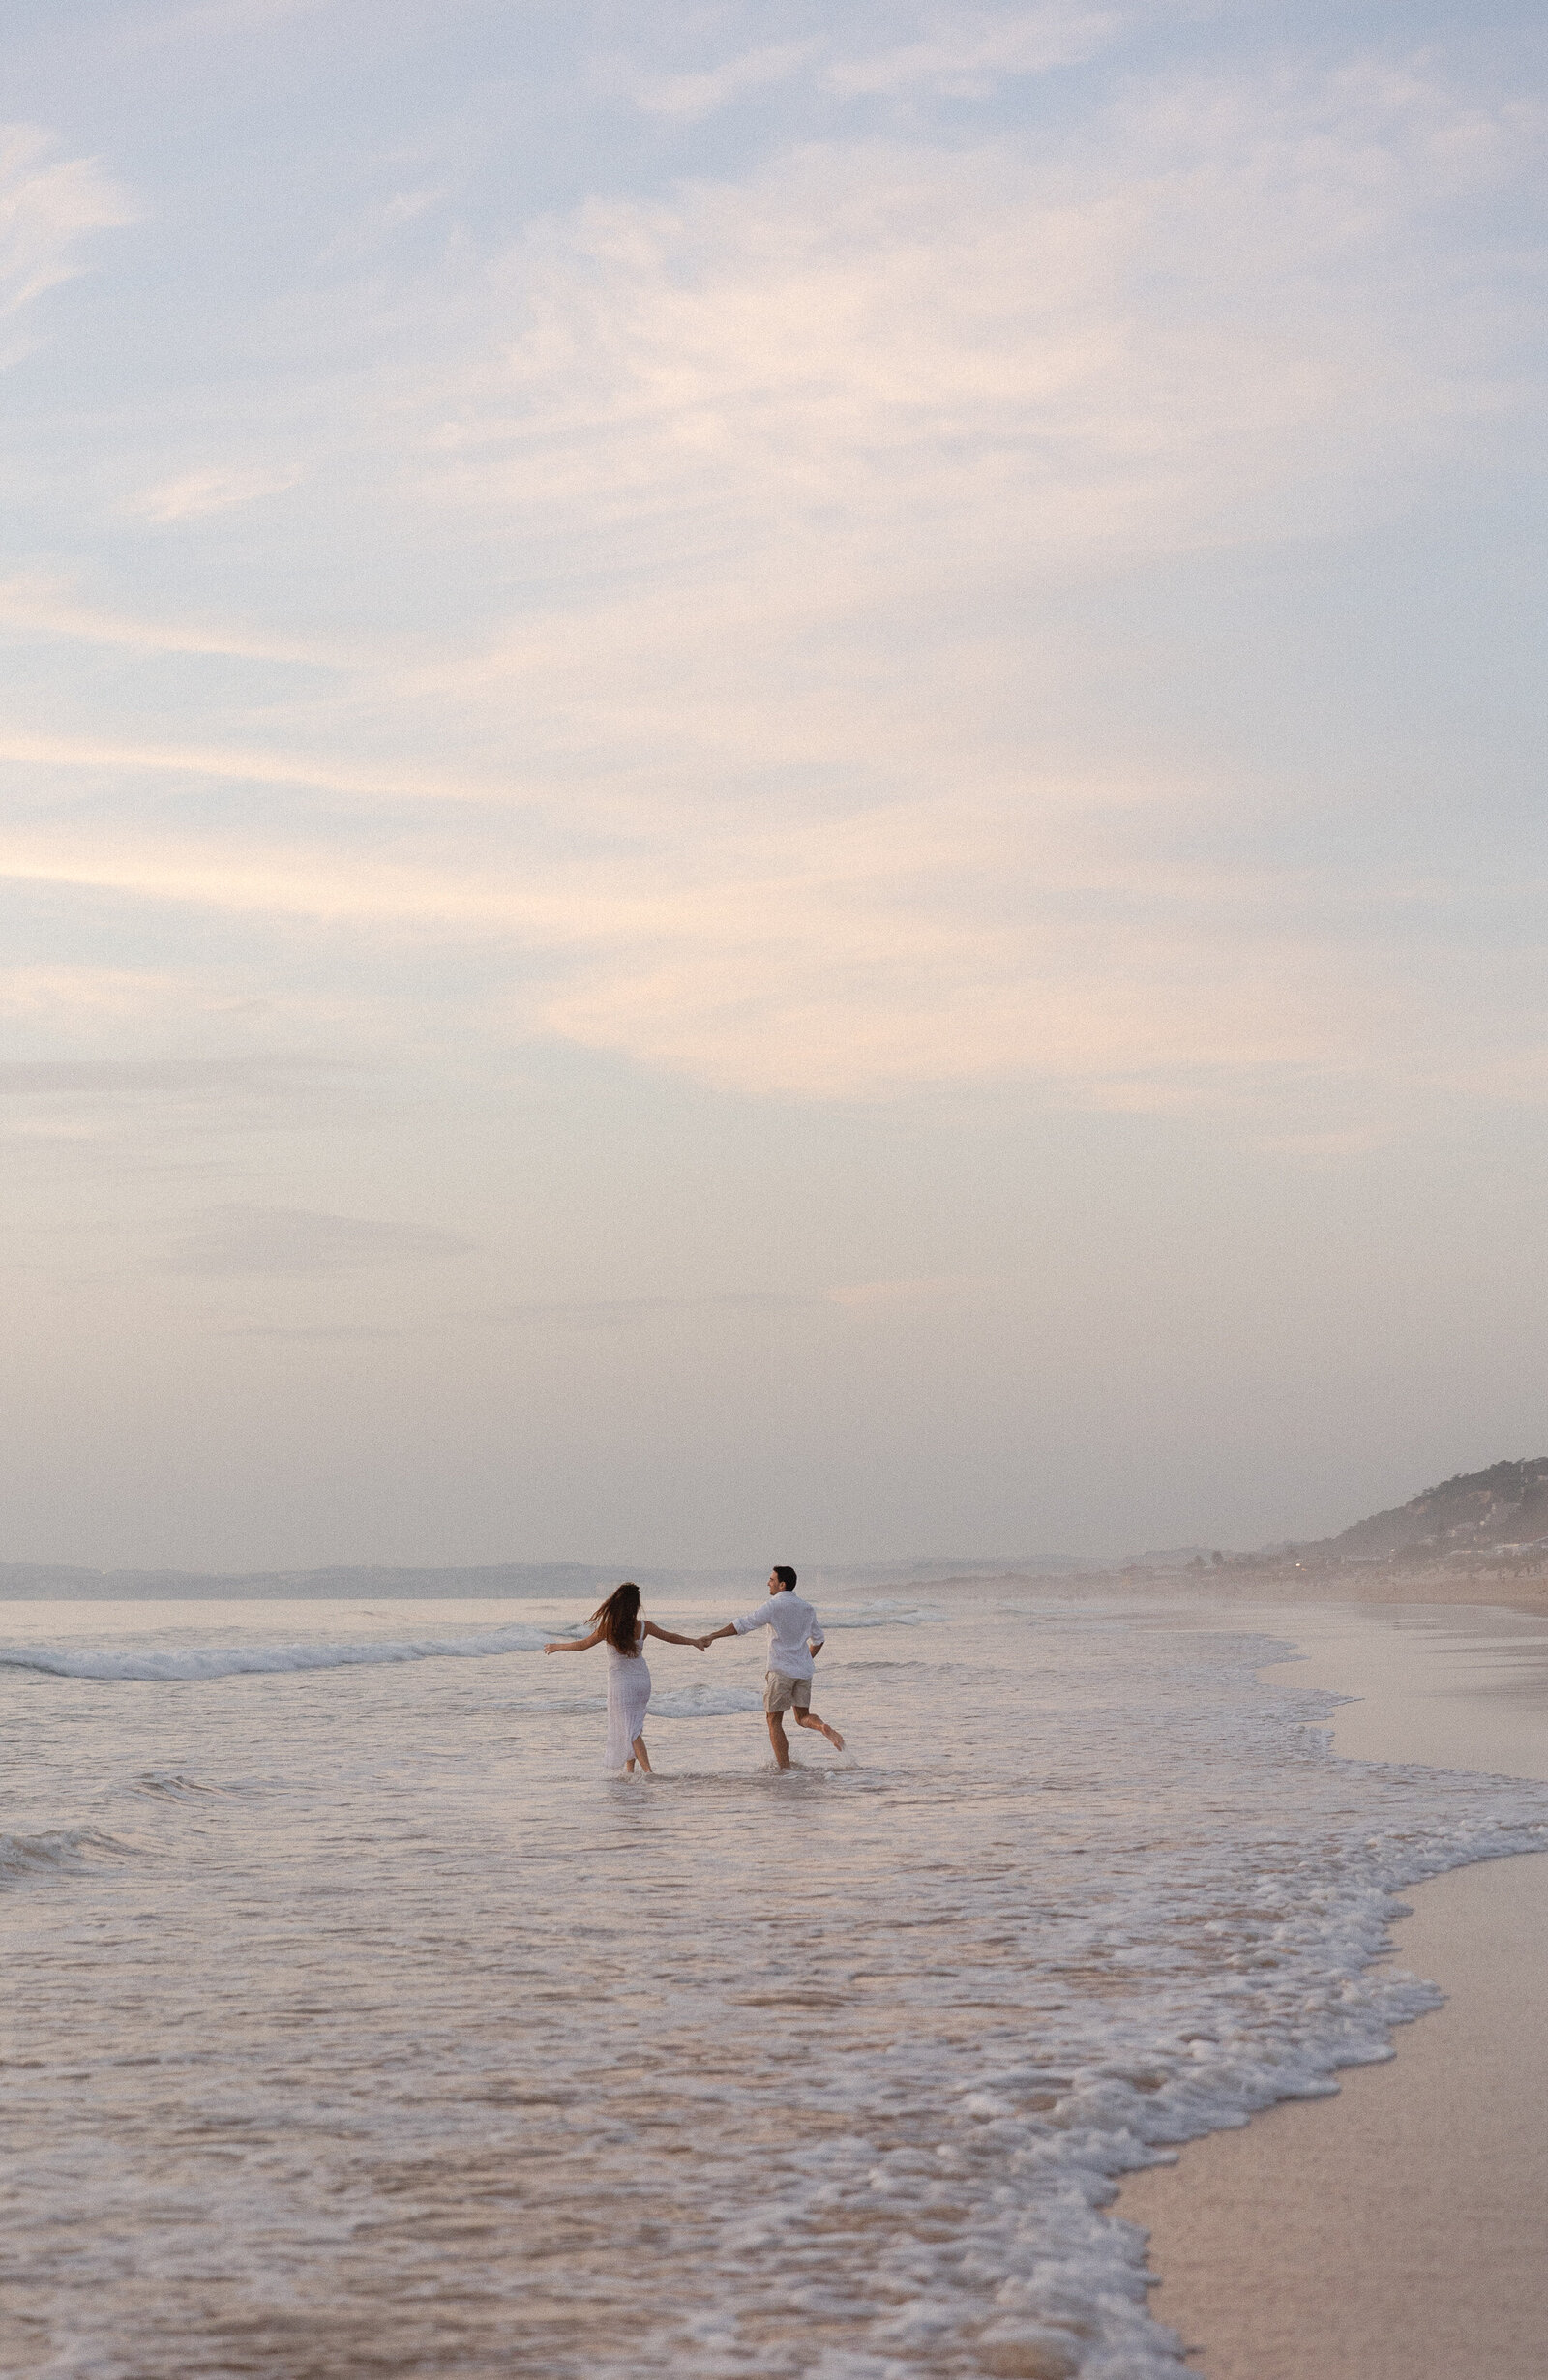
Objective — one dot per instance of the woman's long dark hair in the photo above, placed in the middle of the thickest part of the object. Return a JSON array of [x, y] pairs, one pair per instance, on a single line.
[[620, 1616]]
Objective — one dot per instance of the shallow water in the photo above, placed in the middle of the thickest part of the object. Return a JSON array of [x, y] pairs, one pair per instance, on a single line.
[[355, 2023]]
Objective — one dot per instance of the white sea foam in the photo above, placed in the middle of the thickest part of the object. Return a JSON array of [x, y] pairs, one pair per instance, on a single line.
[[706, 1700]]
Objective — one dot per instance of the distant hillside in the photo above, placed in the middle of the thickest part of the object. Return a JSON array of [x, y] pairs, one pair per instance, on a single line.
[[1504, 1509], [1482, 1523]]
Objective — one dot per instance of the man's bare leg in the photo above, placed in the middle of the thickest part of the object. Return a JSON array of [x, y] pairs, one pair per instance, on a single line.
[[642, 1756], [776, 1737], [808, 1718]]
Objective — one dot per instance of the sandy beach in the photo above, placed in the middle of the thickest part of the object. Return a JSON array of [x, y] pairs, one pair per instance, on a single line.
[[1396, 2230]]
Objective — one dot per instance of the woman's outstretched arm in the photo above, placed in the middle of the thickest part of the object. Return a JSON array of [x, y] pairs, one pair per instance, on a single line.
[[574, 1644], [669, 1636]]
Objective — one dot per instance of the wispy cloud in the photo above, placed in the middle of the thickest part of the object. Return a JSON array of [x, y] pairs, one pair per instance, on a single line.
[[968, 355], [255, 766], [280, 1242], [967, 53], [124, 1101], [138, 1077], [220, 487], [704, 91], [953, 54], [855, 959], [88, 995], [43, 603], [369, 226], [48, 208]]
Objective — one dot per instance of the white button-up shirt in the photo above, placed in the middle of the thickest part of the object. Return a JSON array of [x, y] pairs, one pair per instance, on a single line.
[[793, 1627]]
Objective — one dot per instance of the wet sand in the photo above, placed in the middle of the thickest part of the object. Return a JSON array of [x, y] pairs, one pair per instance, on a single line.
[[1398, 2231]]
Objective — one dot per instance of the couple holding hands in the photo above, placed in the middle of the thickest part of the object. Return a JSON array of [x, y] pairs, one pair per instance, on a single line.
[[794, 1637]]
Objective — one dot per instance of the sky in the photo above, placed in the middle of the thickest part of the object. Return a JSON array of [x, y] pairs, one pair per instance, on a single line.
[[772, 776]]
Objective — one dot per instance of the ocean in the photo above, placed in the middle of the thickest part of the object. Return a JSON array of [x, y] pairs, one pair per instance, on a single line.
[[356, 2022]]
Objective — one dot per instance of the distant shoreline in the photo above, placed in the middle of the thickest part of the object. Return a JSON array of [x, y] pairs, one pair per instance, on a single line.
[[1379, 1584]]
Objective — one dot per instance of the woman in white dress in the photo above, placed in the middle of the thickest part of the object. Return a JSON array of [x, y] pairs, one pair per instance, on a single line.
[[617, 1624]]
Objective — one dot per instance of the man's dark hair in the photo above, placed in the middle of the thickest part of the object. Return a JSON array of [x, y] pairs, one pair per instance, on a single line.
[[785, 1574]]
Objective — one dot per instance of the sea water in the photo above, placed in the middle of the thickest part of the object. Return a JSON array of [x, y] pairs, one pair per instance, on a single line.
[[355, 2022]]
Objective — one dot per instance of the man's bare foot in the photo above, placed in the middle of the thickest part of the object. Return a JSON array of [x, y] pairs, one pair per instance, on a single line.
[[833, 1735]]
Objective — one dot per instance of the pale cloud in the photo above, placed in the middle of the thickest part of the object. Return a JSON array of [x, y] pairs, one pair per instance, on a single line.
[[856, 960], [66, 1006], [43, 604], [379, 221], [802, 1018], [709, 88], [287, 1243], [48, 208], [117, 1079], [254, 766], [965, 53], [218, 488], [165, 1113], [890, 53], [88, 995], [1209, 329]]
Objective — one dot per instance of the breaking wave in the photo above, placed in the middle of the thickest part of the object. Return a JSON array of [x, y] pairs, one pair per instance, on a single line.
[[62, 1850], [189, 1662]]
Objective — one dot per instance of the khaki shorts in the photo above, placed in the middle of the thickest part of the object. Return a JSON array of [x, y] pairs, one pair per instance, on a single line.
[[786, 1693]]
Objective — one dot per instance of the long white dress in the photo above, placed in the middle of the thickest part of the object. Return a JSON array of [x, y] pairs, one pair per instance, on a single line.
[[628, 1697]]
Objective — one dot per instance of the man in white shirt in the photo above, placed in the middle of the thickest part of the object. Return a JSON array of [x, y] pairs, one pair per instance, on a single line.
[[794, 1638]]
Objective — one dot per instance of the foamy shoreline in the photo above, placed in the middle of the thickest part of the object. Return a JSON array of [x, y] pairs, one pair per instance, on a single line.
[[1397, 2230]]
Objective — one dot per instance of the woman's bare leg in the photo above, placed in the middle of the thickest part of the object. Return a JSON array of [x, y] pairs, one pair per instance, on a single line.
[[642, 1756]]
